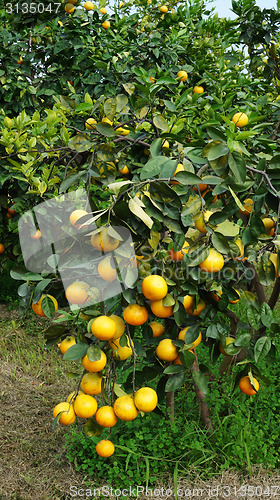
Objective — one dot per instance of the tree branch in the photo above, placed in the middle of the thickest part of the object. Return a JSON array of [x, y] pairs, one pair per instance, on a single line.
[[201, 398], [275, 294], [256, 282]]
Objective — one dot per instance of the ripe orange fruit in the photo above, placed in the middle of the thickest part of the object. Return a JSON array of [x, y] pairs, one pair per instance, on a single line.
[[152, 79], [208, 191], [158, 328], [248, 206], [37, 306], [94, 366], [145, 399], [154, 287], [236, 300], [125, 408], [91, 383], [198, 90], [246, 386], [106, 416], [103, 10], [68, 416], [66, 343], [75, 216], [105, 269], [103, 242], [2, 248], [103, 328], [273, 258], [195, 343], [11, 211], [199, 223], [85, 406], [106, 25], [269, 225], [178, 255], [240, 245], [125, 170], [105, 448], [37, 235], [90, 123], [189, 305], [240, 119], [202, 186], [229, 340], [69, 8], [160, 310], [120, 326], [76, 293], [182, 75], [163, 9], [88, 5], [166, 350], [177, 361], [119, 352], [134, 314], [213, 263]]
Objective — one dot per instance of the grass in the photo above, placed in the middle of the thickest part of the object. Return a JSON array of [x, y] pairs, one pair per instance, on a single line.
[[33, 459]]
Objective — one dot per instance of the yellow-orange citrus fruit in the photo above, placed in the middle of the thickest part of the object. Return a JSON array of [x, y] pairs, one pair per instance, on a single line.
[[179, 168], [165, 144], [37, 306], [145, 399], [208, 191], [229, 340], [134, 314], [217, 295], [202, 186], [103, 10], [158, 328], [119, 352], [196, 311], [177, 361], [273, 258], [125, 408], [236, 300], [106, 416], [90, 123], [2, 248], [69, 8], [125, 170], [88, 5], [195, 342], [240, 119], [106, 25], [103, 328], [103, 242], [122, 131], [152, 79], [178, 255], [198, 90], [66, 343], [94, 366], [166, 350], [182, 75], [76, 293], [161, 311], [248, 206], [268, 224], [120, 326], [105, 448], [105, 269], [246, 386], [85, 406], [37, 235], [73, 395], [188, 302], [68, 416], [106, 120], [163, 9], [75, 216], [213, 263], [154, 287], [91, 383], [199, 223]]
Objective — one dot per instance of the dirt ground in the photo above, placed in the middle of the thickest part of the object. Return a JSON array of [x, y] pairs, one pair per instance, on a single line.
[[32, 459]]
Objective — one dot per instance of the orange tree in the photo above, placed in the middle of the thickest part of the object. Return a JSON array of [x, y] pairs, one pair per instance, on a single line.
[[128, 117]]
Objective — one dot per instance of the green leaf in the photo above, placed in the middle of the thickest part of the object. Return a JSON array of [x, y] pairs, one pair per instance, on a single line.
[[243, 340], [160, 122], [76, 351], [220, 242], [172, 369], [175, 381], [266, 315], [237, 166], [105, 129], [187, 178], [155, 147], [217, 151], [152, 167], [137, 210], [80, 143], [201, 381], [110, 108], [262, 348], [84, 106], [253, 317], [55, 331], [70, 180], [93, 353]]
